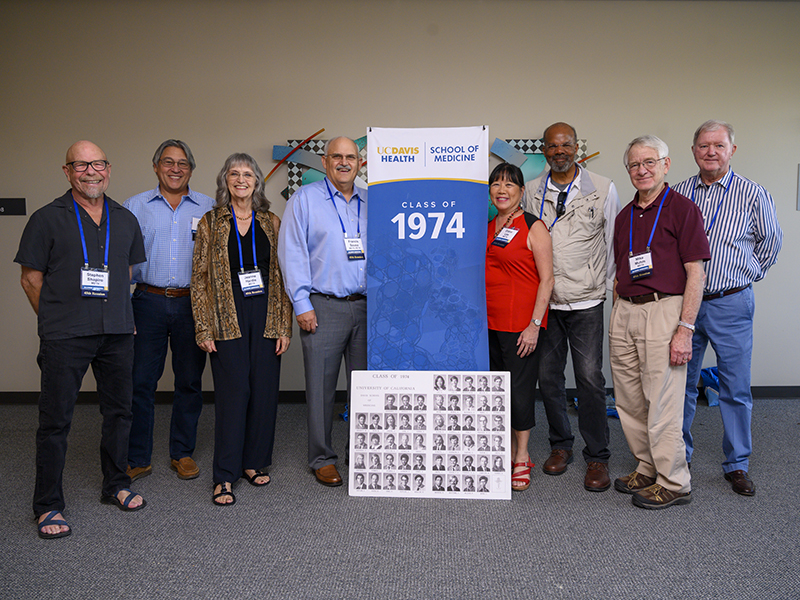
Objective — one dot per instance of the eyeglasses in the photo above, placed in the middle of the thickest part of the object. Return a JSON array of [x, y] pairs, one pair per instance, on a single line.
[[247, 175], [169, 163], [648, 164], [351, 158], [561, 206], [79, 166]]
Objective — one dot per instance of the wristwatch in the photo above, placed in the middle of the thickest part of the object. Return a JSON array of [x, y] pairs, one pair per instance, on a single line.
[[688, 326], [537, 322]]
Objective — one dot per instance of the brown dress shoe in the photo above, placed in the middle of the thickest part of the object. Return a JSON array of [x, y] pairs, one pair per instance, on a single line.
[[633, 483], [741, 483], [138, 472], [186, 467], [655, 497], [328, 475], [557, 463], [597, 479]]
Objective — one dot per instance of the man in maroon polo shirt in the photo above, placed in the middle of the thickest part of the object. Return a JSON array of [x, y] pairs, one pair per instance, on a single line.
[[659, 246]]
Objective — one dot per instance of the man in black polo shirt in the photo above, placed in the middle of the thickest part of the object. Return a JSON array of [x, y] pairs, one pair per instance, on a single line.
[[76, 255]]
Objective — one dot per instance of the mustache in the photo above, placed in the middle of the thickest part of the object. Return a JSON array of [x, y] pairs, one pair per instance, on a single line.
[[346, 168]]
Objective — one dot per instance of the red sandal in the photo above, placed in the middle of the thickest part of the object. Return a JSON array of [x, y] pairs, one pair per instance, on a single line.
[[524, 476]]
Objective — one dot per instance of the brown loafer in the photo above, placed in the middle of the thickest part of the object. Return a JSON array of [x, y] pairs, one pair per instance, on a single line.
[[557, 463], [138, 472], [633, 483], [655, 497], [597, 479], [328, 475], [741, 483], [186, 468]]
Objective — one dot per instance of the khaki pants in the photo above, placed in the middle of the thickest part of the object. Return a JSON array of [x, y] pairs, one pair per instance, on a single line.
[[649, 392]]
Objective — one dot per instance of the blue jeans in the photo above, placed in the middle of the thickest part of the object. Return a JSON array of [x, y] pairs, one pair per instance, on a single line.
[[63, 364], [582, 331], [728, 324], [161, 321]]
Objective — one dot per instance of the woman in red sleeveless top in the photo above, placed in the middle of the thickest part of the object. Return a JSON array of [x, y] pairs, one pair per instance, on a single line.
[[519, 281]]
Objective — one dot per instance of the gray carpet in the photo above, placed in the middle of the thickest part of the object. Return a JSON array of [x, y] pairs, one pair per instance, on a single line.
[[298, 539]]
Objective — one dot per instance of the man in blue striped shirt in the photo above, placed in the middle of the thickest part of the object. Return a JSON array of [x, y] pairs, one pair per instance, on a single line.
[[745, 238], [162, 311]]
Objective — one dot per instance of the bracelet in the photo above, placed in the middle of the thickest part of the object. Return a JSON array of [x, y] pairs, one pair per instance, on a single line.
[[688, 326]]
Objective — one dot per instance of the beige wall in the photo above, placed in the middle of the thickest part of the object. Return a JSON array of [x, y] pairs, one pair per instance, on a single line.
[[244, 75]]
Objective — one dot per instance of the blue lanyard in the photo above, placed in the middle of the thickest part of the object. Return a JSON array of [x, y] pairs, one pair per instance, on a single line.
[[239, 241], [569, 187], [721, 200], [83, 239], [358, 221], [652, 231]]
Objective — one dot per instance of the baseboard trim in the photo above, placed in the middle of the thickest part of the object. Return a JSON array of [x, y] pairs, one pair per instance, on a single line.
[[299, 397]]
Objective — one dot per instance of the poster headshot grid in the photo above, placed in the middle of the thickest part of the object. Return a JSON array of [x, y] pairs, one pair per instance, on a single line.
[[430, 434]]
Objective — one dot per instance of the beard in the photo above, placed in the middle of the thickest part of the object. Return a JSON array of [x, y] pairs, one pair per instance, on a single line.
[[561, 167]]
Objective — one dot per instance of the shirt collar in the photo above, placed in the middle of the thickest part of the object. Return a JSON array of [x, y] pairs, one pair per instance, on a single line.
[[654, 204], [188, 195], [356, 190], [584, 184], [723, 182]]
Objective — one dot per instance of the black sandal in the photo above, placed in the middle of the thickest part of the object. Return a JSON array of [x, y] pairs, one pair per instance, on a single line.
[[258, 473], [224, 492]]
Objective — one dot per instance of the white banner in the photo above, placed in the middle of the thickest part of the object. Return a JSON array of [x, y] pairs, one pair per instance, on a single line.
[[428, 197]]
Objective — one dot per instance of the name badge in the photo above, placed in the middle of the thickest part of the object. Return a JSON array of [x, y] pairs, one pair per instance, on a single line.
[[504, 237], [195, 223], [354, 248], [641, 265], [94, 283], [251, 282]]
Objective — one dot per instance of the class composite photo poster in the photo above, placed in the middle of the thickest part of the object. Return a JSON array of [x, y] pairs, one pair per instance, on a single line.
[[430, 434]]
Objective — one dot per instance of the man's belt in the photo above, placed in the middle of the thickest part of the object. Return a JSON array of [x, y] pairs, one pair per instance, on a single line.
[[350, 298], [716, 295], [645, 298], [168, 292]]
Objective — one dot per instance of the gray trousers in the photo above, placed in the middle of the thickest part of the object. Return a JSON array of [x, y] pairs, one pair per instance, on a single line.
[[341, 332]]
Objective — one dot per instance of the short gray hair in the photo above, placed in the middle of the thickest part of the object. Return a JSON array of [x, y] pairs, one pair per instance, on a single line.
[[713, 125], [175, 144], [260, 201], [648, 141]]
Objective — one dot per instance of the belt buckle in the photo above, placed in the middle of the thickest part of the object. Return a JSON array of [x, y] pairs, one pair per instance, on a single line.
[[171, 292]]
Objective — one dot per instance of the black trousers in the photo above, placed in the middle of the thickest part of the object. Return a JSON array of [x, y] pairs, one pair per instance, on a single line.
[[63, 364], [246, 384], [524, 374]]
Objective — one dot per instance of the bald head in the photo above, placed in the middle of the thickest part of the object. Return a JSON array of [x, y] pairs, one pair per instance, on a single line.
[[80, 148], [560, 127]]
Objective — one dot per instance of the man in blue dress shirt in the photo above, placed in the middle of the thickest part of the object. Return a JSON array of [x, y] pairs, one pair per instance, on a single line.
[[162, 310], [745, 238], [321, 250]]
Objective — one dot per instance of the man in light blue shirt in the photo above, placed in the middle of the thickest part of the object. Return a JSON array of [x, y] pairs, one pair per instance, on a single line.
[[321, 250], [745, 239], [162, 310]]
